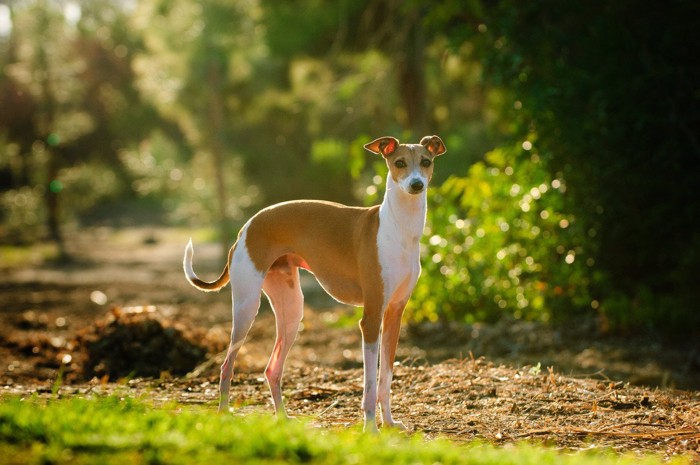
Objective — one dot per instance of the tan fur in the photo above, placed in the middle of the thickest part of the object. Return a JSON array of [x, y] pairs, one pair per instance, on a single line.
[[335, 242]]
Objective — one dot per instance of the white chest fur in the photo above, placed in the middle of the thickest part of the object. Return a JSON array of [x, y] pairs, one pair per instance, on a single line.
[[401, 223]]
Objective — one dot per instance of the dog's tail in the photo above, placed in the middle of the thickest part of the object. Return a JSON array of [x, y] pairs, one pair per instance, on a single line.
[[220, 282]]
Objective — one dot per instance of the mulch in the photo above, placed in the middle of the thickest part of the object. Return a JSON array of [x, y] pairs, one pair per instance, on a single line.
[[472, 399]]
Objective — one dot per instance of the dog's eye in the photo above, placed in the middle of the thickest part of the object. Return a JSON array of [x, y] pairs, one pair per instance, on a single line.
[[425, 163], [400, 164]]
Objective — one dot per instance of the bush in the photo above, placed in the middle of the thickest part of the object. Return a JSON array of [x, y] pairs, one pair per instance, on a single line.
[[503, 240], [21, 215]]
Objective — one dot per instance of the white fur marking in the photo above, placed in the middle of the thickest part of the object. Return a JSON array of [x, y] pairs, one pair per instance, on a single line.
[[370, 354], [401, 225], [187, 262], [246, 285], [246, 280]]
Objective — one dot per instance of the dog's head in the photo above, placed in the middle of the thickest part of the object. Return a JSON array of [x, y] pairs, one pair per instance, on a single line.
[[410, 165]]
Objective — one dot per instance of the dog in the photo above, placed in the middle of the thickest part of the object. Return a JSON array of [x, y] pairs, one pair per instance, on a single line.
[[367, 257]]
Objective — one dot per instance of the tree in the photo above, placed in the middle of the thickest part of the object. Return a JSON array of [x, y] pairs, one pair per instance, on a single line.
[[70, 83], [37, 70], [610, 90], [325, 29], [193, 50]]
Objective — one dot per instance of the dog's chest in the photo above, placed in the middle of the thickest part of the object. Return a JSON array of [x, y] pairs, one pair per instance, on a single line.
[[399, 258]]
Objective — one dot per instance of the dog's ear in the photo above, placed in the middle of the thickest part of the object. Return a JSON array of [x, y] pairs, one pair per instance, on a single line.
[[434, 145], [384, 145]]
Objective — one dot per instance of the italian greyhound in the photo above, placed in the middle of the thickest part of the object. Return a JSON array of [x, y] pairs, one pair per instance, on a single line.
[[366, 257]]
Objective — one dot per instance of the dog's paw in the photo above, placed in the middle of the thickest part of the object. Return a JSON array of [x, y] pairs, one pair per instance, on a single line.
[[396, 425], [370, 428], [224, 409]]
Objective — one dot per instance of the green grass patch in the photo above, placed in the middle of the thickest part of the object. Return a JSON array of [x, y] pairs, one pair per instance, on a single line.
[[20, 255], [123, 430]]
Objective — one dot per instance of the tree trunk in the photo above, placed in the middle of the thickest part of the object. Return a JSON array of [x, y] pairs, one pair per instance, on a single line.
[[215, 119], [412, 76], [48, 119]]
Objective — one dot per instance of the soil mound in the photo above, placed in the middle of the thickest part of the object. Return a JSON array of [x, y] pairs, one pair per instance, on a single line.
[[137, 341]]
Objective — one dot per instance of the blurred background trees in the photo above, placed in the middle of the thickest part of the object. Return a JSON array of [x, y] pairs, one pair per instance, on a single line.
[[573, 135]]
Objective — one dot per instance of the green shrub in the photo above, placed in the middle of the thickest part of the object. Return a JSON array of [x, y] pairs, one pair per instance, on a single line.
[[503, 240], [22, 215]]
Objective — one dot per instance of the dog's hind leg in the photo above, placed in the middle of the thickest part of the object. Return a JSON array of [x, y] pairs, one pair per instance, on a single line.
[[245, 289], [283, 290]]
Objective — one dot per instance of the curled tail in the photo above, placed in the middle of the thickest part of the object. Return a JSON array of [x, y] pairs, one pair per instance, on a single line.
[[220, 282]]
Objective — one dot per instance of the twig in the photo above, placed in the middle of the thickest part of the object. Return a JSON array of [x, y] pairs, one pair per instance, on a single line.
[[333, 404]]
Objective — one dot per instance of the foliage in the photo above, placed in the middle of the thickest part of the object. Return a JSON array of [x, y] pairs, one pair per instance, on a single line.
[[75, 108], [22, 213], [503, 240], [611, 89], [119, 430], [212, 91], [199, 113]]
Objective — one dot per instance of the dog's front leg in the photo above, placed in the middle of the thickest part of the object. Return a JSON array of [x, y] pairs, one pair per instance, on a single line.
[[391, 327], [370, 353]]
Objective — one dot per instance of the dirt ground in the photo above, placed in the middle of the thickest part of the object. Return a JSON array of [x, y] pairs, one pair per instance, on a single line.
[[569, 387]]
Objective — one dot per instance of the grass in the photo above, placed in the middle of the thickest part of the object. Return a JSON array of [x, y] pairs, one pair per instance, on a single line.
[[124, 430], [16, 255]]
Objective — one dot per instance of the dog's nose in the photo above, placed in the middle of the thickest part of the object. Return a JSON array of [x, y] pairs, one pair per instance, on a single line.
[[417, 185]]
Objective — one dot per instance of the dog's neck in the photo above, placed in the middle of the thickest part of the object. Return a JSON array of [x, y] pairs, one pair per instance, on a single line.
[[404, 213]]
